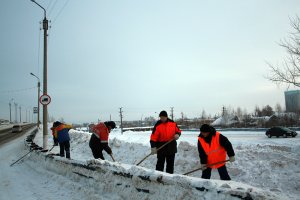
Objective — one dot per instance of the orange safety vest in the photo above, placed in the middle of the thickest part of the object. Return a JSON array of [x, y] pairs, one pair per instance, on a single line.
[[215, 152], [165, 132], [101, 132]]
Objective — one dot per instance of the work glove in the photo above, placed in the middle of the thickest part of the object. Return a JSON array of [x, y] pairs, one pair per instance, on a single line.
[[153, 150], [232, 159], [176, 136], [204, 167]]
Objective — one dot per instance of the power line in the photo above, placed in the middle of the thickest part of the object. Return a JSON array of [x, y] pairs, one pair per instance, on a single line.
[[50, 1], [51, 9], [17, 90], [55, 18]]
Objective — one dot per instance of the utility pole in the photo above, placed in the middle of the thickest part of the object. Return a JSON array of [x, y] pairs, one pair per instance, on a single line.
[[38, 100], [172, 113], [223, 111], [20, 114], [45, 110], [29, 115], [110, 117], [16, 112], [121, 116]]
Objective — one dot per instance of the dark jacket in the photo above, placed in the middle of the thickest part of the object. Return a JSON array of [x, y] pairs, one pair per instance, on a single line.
[[95, 143], [63, 132], [161, 134], [224, 142]]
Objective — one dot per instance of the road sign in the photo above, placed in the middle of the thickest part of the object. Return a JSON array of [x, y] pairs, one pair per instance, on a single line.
[[45, 99], [35, 110]]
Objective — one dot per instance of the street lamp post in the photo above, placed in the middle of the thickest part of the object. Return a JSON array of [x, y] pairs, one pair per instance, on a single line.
[[20, 114], [16, 112], [10, 110], [45, 111], [38, 100]]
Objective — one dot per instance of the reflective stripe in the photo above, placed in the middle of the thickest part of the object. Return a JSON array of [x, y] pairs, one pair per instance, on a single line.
[[214, 151], [104, 141]]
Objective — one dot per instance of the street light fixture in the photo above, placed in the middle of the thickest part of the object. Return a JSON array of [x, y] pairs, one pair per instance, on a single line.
[[45, 111], [38, 100]]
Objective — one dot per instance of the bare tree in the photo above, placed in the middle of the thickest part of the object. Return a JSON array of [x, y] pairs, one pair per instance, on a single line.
[[289, 71], [278, 108], [267, 111], [239, 112]]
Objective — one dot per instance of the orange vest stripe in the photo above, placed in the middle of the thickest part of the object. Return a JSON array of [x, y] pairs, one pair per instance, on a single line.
[[215, 152]]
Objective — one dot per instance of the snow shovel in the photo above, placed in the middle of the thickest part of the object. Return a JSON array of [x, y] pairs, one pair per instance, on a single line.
[[112, 157], [156, 150], [51, 148], [21, 157], [216, 163]]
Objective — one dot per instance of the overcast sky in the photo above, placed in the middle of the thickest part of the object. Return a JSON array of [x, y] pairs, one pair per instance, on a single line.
[[144, 56]]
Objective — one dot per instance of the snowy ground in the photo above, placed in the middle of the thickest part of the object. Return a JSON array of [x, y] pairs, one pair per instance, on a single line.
[[271, 164], [28, 181]]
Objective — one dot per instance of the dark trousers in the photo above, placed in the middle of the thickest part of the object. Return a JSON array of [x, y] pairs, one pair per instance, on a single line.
[[65, 146], [97, 152], [222, 172], [161, 163]]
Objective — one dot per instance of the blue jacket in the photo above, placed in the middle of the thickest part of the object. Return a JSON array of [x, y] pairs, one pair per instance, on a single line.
[[63, 132]]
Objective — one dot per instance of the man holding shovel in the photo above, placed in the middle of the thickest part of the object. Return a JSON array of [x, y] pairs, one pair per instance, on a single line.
[[99, 139], [212, 147], [165, 131]]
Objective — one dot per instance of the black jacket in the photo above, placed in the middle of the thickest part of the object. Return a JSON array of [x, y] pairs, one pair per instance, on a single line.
[[224, 142], [95, 143]]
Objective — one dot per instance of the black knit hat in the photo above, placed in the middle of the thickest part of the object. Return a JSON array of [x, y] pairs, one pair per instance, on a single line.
[[112, 124], [205, 128], [163, 114], [56, 124]]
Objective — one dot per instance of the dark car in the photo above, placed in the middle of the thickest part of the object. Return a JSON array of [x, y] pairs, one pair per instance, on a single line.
[[280, 131]]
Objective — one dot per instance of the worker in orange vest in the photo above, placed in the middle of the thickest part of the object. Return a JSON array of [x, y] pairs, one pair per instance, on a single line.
[[212, 147], [164, 131]]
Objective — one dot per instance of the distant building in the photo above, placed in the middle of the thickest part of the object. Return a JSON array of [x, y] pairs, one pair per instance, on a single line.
[[292, 101]]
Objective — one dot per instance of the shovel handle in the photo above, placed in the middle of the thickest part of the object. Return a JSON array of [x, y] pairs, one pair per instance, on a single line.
[[21, 158], [156, 150], [216, 163], [112, 157]]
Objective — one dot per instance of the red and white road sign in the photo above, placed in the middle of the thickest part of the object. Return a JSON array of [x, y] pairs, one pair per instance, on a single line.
[[45, 99]]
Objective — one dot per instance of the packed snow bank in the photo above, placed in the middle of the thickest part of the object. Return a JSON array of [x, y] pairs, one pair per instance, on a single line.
[[132, 182], [130, 153]]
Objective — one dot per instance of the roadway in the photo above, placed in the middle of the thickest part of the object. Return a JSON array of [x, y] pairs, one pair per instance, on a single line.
[[6, 135]]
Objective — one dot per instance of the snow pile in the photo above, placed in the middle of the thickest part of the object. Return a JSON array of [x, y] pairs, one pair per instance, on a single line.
[[270, 164], [225, 121], [128, 181]]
